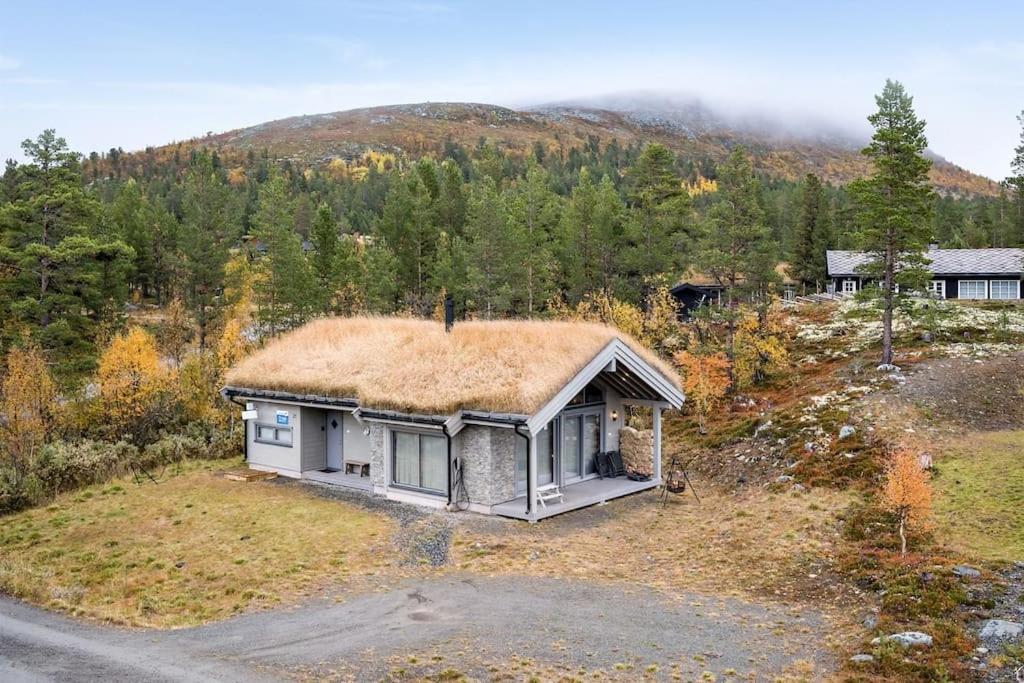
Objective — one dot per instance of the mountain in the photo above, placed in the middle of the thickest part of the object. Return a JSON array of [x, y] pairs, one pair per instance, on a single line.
[[690, 129]]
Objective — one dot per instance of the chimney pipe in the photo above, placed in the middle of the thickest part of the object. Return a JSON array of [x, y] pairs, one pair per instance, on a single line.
[[449, 313]]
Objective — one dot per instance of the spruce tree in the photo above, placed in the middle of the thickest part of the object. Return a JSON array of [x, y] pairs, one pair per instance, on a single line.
[[661, 217], [533, 213], [284, 279], [491, 251], [812, 235], [207, 231], [324, 238], [894, 205]]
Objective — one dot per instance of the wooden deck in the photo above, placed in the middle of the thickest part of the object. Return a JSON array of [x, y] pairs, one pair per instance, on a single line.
[[246, 474], [352, 481], [576, 496]]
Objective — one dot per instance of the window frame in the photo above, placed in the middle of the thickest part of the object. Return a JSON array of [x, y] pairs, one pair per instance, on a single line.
[[853, 286], [290, 443], [1015, 292], [933, 289], [392, 441], [960, 290]]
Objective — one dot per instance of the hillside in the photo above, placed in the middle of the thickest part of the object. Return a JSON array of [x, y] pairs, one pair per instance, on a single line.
[[694, 133]]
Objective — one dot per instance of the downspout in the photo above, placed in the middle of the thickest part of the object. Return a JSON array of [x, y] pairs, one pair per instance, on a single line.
[[444, 430], [245, 431], [529, 461]]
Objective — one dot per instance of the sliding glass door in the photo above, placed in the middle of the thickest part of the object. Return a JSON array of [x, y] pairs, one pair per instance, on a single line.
[[580, 442]]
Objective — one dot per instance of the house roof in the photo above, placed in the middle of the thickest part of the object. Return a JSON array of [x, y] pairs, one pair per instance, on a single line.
[[943, 261], [414, 366], [696, 278]]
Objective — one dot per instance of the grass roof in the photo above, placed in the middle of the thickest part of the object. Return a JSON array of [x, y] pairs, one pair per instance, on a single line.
[[411, 365]]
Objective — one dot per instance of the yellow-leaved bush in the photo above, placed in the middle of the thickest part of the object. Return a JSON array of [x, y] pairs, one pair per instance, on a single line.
[[27, 403], [134, 386]]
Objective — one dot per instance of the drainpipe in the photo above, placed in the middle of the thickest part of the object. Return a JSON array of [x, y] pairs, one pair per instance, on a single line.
[[245, 431], [529, 460], [444, 430]]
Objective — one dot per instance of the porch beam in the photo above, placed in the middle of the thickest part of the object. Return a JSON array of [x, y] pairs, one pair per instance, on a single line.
[[656, 414], [531, 478]]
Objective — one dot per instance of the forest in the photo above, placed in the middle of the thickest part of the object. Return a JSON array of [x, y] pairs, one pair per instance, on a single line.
[[86, 240]]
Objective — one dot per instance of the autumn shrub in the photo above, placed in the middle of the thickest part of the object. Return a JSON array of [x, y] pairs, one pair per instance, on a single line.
[[906, 494], [705, 381], [760, 344], [27, 404]]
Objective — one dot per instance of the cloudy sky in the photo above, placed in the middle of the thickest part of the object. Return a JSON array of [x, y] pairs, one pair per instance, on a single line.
[[108, 74]]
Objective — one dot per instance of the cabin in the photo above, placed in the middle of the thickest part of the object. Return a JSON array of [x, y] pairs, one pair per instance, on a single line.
[[513, 418], [696, 289], [956, 273]]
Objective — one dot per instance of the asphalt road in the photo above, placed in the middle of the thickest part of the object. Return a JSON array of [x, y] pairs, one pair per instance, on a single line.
[[467, 623]]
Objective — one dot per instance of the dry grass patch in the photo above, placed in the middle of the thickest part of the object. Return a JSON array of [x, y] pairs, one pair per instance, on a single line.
[[762, 543], [191, 549], [979, 506], [413, 365]]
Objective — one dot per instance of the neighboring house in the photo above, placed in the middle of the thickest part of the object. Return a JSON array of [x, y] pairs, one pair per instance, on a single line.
[[697, 289], [956, 273], [489, 416]]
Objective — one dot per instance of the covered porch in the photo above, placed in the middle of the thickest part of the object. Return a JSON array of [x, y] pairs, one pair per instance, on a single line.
[[576, 496]]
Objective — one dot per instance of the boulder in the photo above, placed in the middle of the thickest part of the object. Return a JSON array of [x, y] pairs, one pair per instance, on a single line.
[[999, 629], [965, 572], [862, 659], [906, 639], [846, 432]]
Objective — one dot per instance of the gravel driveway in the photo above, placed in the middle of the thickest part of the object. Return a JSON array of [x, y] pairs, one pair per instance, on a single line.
[[474, 625]]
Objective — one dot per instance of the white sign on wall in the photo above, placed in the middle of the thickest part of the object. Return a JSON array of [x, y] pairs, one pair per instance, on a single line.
[[250, 414]]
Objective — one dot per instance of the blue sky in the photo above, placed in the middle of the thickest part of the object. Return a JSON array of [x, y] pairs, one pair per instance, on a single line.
[[130, 74]]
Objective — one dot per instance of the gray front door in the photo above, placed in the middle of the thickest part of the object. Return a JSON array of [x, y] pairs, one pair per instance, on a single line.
[[334, 439]]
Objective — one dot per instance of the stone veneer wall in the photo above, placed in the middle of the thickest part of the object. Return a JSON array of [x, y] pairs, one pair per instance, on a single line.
[[378, 466], [488, 463]]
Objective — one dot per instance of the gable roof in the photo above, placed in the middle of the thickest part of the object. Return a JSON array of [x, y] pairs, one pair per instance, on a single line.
[[943, 261], [414, 366]]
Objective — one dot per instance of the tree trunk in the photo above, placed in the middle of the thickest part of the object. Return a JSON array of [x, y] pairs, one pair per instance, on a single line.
[[887, 311], [903, 534]]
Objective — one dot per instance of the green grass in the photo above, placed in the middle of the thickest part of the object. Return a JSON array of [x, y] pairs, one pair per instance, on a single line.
[[979, 506], [191, 549]]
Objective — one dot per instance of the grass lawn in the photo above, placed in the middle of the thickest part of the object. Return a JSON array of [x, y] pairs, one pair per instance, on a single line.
[[191, 549], [780, 544], [980, 495]]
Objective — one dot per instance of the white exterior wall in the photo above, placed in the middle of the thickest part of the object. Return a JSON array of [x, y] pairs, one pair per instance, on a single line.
[[285, 460]]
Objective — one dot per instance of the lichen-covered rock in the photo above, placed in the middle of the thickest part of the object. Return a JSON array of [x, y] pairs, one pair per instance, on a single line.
[[637, 448]]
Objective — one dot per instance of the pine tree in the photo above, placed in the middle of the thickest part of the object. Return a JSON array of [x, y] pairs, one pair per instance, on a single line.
[[69, 280], [812, 235], [737, 248], [894, 205], [284, 280], [1016, 184], [409, 230]]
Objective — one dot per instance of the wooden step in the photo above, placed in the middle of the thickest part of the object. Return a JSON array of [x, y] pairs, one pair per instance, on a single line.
[[246, 474]]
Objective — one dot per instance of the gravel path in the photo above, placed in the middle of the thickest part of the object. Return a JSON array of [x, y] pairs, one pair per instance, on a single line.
[[467, 623]]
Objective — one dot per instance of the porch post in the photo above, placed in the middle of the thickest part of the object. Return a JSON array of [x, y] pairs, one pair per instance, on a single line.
[[531, 478], [656, 414]]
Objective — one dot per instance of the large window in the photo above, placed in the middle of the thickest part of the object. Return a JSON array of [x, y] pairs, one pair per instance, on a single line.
[[274, 435], [419, 461], [973, 289], [1005, 289]]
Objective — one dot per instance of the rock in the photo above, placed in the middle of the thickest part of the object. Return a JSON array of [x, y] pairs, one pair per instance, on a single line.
[[999, 629], [809, 447], [783, 478], [846, 432], [799, 487], [870, 622], [982, 650], [888, 367], [907, 639], [965, 572], [862, 659]]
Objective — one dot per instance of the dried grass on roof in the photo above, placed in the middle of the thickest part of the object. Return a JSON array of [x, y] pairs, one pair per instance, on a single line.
[[414, 366]]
